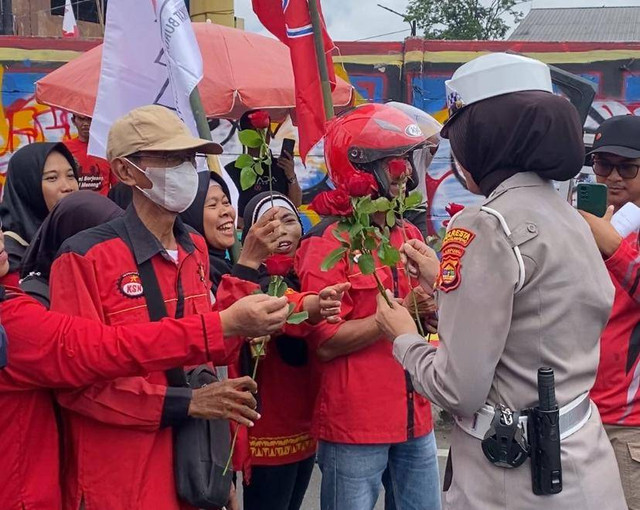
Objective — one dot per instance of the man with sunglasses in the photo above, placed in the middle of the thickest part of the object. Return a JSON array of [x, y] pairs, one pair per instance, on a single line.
[[616, 161], [119, 433]]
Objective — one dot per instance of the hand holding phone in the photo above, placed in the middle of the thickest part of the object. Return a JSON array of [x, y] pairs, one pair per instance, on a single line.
[[288, 146], [592, 198]]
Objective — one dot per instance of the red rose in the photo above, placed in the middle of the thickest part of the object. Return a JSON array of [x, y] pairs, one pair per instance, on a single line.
[[260, 119], [279, 265], [362, 185], [332, 203], [453, 209], [397, 168]]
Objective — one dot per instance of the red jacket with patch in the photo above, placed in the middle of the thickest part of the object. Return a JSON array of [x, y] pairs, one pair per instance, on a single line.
[[119, 433], [617, 388], [365, 397], [50, 350]]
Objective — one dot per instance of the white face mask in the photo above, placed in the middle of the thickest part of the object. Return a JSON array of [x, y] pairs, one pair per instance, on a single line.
[[174, 188]]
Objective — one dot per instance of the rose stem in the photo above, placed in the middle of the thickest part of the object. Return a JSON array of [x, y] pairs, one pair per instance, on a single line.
[[403, 195], [235, 434], [382, 290]]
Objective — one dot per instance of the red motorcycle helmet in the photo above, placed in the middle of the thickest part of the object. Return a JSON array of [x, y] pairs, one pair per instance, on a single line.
[[359, 139]]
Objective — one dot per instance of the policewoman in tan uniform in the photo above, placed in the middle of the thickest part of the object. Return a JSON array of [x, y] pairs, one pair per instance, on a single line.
[[521, 285]]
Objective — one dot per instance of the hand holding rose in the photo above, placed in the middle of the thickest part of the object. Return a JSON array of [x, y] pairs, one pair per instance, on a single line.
[[422, 263], [394, 320]]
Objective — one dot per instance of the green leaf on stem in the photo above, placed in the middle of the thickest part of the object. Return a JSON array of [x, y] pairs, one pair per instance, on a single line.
[[250, 138], [340, 238], [365, 205], [333, 258], [414, 199], [382, 204], [391, 218], [243, 161], [297, 318], [247, 178], [370, 243], [258, 168], [367, 264], [390, 255]]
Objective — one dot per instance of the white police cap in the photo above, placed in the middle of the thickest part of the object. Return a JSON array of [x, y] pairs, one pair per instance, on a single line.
[[493, 75]]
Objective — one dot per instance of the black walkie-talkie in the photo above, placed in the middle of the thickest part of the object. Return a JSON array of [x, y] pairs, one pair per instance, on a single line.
[[544, 437]]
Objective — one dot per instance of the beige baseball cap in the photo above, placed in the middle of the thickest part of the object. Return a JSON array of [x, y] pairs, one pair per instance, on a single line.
[[153, 128]]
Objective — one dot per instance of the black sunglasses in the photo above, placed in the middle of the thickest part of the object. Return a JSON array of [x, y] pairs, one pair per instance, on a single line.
[[625, 170]]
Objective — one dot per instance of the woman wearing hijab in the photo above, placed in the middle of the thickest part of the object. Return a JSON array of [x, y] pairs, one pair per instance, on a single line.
[[521, 287], [278, 456], [39, 175], [75, 213]]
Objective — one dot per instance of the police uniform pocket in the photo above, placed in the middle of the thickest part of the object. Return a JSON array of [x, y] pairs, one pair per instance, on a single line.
[[634, 451]]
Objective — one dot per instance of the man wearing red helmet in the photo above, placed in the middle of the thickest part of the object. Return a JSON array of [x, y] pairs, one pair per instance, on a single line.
[[372, 427]]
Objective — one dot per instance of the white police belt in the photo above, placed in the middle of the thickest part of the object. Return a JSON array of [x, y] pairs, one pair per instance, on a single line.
[[572, 418]]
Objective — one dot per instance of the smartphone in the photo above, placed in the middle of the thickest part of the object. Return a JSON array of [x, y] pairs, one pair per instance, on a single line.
[[592, 198], [288, 146]]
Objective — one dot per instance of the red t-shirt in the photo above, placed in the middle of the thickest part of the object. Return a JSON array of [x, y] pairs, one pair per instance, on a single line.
[[618, 380], [365, 397], [93, 173]]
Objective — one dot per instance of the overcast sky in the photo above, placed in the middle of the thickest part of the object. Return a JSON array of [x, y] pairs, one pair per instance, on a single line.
[[351, 20]]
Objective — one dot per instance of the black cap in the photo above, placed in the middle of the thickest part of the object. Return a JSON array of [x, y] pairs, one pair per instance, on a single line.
[[618, 135]]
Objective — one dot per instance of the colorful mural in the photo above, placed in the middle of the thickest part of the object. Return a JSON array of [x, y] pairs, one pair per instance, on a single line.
[[413, 71]]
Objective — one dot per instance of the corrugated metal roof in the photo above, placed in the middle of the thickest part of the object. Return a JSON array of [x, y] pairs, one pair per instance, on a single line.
[[583, 24]]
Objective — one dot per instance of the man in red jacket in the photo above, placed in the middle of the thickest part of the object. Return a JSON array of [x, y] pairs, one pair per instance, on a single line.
[[119, 433], [372, 426], [94, 173], [616, 161], [50, 350]]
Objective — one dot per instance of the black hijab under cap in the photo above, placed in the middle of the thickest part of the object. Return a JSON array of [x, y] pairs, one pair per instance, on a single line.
[[530, 131], [73, 214], [23, 208], [219, 263]]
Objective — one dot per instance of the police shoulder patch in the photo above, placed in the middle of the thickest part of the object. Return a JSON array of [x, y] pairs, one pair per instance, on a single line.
[[454, 244], [130, 285]]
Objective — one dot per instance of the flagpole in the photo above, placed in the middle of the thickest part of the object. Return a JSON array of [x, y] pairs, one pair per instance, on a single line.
[[202, 125], [316, 22]]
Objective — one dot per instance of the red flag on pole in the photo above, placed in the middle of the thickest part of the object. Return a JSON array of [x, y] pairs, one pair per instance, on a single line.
[[290, 21]]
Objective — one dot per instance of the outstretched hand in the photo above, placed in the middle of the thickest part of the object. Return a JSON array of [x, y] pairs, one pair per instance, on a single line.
[[331, 301]]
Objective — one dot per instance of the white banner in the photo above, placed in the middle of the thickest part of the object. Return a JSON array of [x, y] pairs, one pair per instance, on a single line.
[[146, 59]]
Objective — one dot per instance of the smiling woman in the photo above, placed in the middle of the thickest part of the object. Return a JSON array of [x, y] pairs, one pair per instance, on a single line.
[[38, 176]]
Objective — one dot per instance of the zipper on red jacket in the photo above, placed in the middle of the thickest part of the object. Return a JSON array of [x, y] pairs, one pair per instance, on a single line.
[[407, 376]]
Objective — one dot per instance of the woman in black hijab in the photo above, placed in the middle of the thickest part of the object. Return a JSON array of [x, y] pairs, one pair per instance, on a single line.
[[530, 131], [39, 175], [73, 214], [521, 286], [213, 217]]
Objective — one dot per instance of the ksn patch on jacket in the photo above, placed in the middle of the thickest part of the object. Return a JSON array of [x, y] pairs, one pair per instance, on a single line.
[[130, 285], [453, 247]]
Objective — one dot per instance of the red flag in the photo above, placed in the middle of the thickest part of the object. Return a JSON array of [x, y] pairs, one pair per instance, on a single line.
[[290, 21]]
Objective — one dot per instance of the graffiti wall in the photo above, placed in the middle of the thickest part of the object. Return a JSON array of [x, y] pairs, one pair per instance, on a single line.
[[413, 71]]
